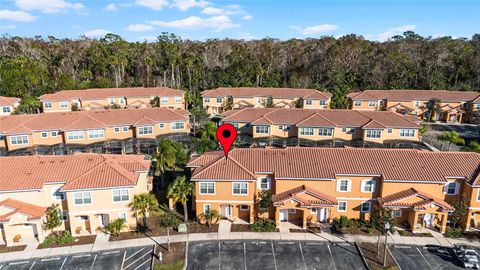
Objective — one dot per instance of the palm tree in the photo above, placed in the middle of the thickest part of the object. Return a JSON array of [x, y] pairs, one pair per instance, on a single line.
[[209, 130], [474, 147], [164, 157], [179, 191], [210, 216], [451, 137], [143, 205]]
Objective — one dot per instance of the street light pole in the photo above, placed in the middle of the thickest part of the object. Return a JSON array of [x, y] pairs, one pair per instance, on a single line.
[[387, 227]]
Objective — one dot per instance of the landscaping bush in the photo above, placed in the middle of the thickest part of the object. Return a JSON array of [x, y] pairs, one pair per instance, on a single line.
[[454, 232], [65, 238], [263, 226], [115, 226]]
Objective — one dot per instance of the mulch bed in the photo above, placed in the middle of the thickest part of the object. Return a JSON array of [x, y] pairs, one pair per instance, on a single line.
[[358, 231], [240, 228], [154, 229], [409, 233], [374, 260], [80, 240], [5, 249], [308, 230], [177, 253]]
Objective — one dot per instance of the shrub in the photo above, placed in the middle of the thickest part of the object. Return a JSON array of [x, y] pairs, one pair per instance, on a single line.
[[262, 226], [454, 232], [115, 226], [63, 239]]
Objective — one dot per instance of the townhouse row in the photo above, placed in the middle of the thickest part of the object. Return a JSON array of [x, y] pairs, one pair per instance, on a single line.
[[122, 130], [454, 106], [98, 99], [316, 185], [8, 105], [323, 125], [218, 100], [91, 190]]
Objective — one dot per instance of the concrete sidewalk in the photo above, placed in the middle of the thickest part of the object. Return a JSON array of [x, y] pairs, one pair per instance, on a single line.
[[104, 244]]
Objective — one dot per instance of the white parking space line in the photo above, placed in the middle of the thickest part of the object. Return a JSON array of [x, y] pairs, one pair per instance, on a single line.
[[64, 261], [81, 256], [31, 267], [50, 259], [123, 261], [129, 257], [424, 257], [331, 255], [274, 260], [137, 260], [17, 263], [1, 266], [219, 256], [94, 259], [303, 258], [110, 252], [245, 254], [141, 264]]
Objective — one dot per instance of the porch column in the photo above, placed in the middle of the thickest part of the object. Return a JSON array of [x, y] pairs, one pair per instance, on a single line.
[[304, 219], [443, 227], [252, 217], [277, 217], [466, 225], [414, 225], [41, 232]]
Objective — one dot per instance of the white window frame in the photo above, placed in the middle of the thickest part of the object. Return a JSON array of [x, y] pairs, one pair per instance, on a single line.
[[82, 197], [120, 195], [369, 207], [262, 129], [63, 104], [478, 195], [390, 131], [116, 129], [125, 129], [416, 104], [455, 192], [164, 100], [56, 190], [44, 133], [6, 109], [175, 125], [178, 99], [372, 103], [54, 134], [346, 206], [121, 100], [111, 101], [308, 102], [397, 213], [242, 207], [357, 103], [47, 105], [313, 210], [240, 188], [19, 140], [219, 100], [306, 131], [322, 102], [373, 185], [143, 130], [327, 131], [122, 215], [478, 106], [96, 134], [206, 99], [209, 208], [407, 132], [373, 133], [207, 183], [75, 135], [260, 183], [339, 185], [161, 125], [348, 130]]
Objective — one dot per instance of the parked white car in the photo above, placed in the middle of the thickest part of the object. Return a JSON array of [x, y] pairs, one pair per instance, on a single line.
[[467, 256]]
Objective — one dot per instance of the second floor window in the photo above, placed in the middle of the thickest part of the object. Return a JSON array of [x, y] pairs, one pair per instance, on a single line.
[[325, 132], [6, 109], [121, 100], [219, 100], [82, 197], [306, 131], [264, 183], [121, 195], [47, 105], [96, 134], [178, 99], [416, 103], [368, 186], [343, 185], [125, 128], [407, 132], [372, 103], [357, 103], [206, 99], [240, 188], [20, 139], [178, 125], [75, 135], [57, 195], [54, 133], [451, 188], [164, 100], [374, 134], [365, 208], [308, 102], [63, 104], [145, 130], [44, 134], [207, 188], [261, 129], [323, 102]]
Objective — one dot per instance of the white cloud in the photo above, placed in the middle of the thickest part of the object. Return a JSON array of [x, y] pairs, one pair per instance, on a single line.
[[8, 26], [18, 16], [111, 7], [247, 17], [96, 33], [139, 27], [48, 6], [316, 29], [186, 4], [228, 10], [217, 23], [152, 4], [391, 32]]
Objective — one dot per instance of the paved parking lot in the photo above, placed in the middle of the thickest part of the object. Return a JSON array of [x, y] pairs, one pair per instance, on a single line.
[[137, 258], [428, 257], [276, 255]]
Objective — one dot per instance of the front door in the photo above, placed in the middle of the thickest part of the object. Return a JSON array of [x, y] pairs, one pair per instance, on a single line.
[[35, 230], [321, 214], [284, 215], [226, 211], [103, 218]]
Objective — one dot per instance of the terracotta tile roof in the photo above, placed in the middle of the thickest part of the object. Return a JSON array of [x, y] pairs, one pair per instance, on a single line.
[[325, 163], [24, 124], [400, 105], [395, 200], [77, 171], [318, 118], [407, 95], [104, 93], [323, 199], [266, 92], [224, 169], [8, 101], [32, 211]]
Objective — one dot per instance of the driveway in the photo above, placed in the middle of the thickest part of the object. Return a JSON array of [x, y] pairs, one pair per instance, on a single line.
[[137, 258], [272, 255]]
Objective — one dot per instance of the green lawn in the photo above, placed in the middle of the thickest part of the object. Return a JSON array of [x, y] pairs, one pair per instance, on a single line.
[[178, 265]]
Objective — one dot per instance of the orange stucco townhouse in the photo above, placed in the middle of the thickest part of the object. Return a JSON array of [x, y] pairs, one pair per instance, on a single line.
[[91, 190], [8, 105], [315, 185]]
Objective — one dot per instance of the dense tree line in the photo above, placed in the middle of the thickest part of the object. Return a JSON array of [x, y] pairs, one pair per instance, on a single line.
[[34, 66]]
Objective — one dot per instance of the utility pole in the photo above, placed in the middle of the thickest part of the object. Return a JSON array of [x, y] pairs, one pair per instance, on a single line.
[[387, 227]]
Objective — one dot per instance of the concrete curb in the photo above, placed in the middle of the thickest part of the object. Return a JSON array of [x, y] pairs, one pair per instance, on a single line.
[[395, 260]]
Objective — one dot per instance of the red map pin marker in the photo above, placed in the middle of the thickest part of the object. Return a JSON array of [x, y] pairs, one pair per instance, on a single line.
[[226, 135]]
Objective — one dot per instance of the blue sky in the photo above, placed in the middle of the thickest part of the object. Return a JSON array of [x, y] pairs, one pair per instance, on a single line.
[[137, 20]]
